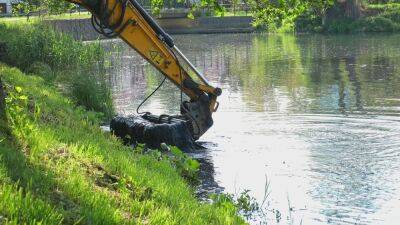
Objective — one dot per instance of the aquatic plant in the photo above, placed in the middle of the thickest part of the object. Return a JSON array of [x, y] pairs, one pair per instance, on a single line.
[[376, 24], [187, 167], [243, 203]]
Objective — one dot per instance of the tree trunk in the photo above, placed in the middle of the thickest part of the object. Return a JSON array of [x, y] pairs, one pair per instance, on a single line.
[[352, 9], [344, 9]]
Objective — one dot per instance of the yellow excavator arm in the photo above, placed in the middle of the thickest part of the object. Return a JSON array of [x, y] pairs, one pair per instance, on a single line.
[[128, 20]]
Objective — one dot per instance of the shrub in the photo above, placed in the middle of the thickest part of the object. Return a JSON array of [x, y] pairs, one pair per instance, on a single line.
[[43, 70], [340, 26], [308, 22], [368, 24], [377, 24], [393, 16], [91, 92]]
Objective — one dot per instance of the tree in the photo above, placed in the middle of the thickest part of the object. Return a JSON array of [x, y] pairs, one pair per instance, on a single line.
[[276, 13], [57, 6], [349, 9], [27, 7], [42, 7]]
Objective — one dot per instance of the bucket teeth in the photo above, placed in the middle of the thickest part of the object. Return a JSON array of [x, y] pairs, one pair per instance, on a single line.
[[199, 115]]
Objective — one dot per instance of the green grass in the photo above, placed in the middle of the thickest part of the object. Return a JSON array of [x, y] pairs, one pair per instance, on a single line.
[[16, 20], [77, 68], [68, 16], [57, 166], [237, 13], [383, 7]]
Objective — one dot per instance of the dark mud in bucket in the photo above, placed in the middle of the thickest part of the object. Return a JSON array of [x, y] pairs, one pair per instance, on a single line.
[[153, 130]]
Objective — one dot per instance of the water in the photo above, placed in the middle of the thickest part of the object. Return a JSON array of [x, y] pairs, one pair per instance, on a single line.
[[317, 117]]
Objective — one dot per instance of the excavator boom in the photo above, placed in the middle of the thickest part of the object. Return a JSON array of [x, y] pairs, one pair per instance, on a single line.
[[128, 20]]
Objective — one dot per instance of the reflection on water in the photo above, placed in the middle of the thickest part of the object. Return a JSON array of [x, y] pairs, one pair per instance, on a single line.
[[319, 116]]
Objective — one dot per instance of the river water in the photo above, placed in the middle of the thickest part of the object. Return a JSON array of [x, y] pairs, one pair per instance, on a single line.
[[316, 117]]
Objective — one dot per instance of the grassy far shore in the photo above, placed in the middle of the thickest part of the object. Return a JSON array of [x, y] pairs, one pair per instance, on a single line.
[[374, 18], [381, 18], [57, 166]]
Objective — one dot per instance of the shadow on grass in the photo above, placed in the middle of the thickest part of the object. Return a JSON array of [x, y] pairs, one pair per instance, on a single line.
[[22, 170], [4, 129]]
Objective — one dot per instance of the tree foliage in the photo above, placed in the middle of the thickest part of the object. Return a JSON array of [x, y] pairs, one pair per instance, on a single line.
[[278, 13], [57, 6], [270, 13], [42, 7], [26, 6]]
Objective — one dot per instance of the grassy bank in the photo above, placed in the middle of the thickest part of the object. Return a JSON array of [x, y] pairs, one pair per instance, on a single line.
[[57, 166], [75, 68]]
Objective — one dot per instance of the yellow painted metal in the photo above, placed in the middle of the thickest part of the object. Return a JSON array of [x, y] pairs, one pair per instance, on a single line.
[[139, 35]]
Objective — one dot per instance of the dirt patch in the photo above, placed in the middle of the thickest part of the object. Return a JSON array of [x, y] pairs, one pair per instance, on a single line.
[[101, 177], [111, 181], [3, 219], [2, 101], [63, 201], [59, 154]]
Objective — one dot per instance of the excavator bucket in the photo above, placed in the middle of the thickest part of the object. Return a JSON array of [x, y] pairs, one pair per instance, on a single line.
[[181, 130], [153, 130]]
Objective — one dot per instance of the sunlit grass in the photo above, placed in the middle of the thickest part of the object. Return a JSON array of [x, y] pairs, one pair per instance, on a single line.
[[387, 6], [36, 18], [69, 16], [237, 13]]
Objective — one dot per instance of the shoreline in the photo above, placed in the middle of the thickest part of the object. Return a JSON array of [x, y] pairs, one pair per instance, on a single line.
[[81, 29]]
